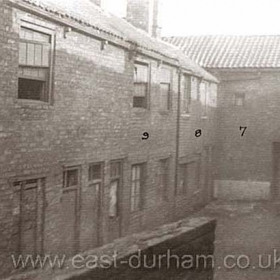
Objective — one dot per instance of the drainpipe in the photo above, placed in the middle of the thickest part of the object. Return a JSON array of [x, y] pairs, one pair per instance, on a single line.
[[177, 140]]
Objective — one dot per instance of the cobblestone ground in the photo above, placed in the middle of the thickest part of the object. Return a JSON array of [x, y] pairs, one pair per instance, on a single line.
[[247, 240]]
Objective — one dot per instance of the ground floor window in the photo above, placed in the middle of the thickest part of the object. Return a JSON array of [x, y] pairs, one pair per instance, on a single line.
[[137, 187]]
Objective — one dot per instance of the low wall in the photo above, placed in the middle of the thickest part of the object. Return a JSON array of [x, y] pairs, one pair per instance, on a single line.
[[241, 190], [181, 250]]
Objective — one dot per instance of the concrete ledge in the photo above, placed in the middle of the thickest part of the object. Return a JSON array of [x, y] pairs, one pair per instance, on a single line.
[[241, 190], [189, 237]]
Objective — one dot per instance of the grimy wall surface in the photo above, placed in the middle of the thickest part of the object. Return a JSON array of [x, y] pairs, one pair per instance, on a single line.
[[245, 164], [90, 119]]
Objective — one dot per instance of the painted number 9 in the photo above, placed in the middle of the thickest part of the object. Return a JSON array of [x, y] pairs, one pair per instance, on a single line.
[[145, 136]]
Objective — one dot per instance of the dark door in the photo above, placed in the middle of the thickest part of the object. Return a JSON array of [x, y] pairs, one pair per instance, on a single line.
[[29, 196], [69, 226], [275, 186]]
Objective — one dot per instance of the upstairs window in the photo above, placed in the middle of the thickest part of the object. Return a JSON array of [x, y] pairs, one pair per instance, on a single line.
[[186, 94], [34, 65], [165, 89], [71, 178], [95, 171], [239, 99], [141, 85], [203, 97]]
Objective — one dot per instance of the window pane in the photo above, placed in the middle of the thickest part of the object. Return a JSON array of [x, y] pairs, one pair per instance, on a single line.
[[140, 89], [164, 96], [165, 75], [46, 56], [71, 178], [94, 172], [139, 102], [113, 198], [31, 89], [38, 55], [33, 73], [115, 169], [44, 38], [140, 73], [26, 33], [22, 53], [30, 53], [32, 35]]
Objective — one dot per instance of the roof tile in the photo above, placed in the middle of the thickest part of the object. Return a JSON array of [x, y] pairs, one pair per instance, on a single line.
[[259, 51]]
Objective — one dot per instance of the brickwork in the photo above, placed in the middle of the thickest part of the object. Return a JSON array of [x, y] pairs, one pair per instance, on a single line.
[[247, 158], [90, 119]]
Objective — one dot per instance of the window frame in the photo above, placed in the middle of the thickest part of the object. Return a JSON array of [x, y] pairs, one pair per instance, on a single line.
[[134, 207], [94, 182], [163, 81], [48, 99], [186, 98], [147, 83], [64, 183]]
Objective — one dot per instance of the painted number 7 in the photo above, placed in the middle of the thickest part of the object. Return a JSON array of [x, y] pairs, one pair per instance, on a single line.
[[243, 129]]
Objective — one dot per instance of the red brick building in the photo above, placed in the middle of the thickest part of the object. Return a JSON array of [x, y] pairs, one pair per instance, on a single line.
[[248, 68], [104, 130]]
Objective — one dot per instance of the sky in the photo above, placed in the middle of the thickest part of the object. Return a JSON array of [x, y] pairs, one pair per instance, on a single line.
[[211, 17]]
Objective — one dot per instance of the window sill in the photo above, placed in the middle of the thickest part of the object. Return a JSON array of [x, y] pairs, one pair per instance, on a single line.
[[33, 104], [186, 115]]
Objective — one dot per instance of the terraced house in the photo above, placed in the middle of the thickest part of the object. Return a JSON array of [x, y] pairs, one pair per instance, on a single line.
[[248, 68], [104, 130]]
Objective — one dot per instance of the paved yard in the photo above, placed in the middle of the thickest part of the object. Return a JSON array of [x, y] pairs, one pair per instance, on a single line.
[[248, 234]]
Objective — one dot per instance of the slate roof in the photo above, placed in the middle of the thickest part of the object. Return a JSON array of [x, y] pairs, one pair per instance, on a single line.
[[231, 51], [86, 13]]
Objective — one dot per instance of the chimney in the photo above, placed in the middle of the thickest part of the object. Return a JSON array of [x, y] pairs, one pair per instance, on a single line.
[[144, 14]]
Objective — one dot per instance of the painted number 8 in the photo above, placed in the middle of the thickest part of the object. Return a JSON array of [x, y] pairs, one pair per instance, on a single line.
[[198, 133]]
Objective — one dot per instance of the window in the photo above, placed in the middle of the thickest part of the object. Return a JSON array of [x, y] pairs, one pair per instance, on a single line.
[[186, 95], [239, 99], [203, 97], [141, 80], [137, 186], [165, 89], [95, 174], [115, 181], [71, 178], [163, 177], [213, 95], [34, 65]]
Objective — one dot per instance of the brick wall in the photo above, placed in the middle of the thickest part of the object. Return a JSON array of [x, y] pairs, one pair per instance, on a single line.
[[89, 120], [248, 158]]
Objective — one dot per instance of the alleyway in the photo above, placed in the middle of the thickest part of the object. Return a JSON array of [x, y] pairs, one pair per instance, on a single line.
[[250, 229]]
